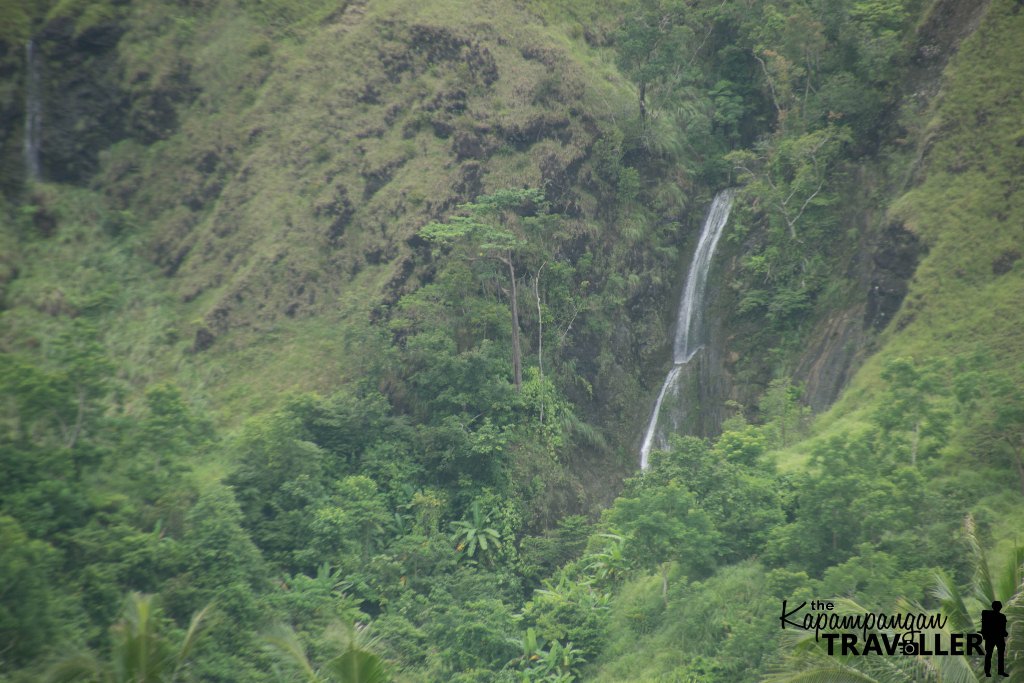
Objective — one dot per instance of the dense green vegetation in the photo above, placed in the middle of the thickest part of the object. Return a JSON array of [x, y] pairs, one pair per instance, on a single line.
[[329, 332]]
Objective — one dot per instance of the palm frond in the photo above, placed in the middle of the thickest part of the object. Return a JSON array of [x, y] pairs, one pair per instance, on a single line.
[[284, 643], [951, 599], [1015, 643], [1008, 582], [982, 575], [357, 666], [826, 672], [955, 670], [191, 637], [139, 653], [76, 669], [585, 432]]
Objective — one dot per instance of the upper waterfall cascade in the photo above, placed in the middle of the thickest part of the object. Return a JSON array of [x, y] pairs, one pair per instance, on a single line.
[[33, 112], [688, 338]]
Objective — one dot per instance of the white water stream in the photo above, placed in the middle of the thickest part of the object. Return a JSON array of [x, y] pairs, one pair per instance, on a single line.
[[691, 308], [33, 112]]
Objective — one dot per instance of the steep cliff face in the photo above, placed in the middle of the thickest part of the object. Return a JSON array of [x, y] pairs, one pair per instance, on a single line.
[[264, 177], [875, 268], [81, 106], [275, 170], [321, 174], [889, 253]]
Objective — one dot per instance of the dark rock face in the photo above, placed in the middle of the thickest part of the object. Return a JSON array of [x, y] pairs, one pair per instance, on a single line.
[[12, 119], [836, 349], [470, 183], [339, 212], [153, 114], [87, 102], [835, 346], [377, 177], [468, 145], [892, 265], [83, 108], [1003, 263], [433, 44], [204, 340]]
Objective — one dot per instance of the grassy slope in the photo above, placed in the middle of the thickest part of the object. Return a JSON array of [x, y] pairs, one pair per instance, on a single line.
[[315, 143], [969, 209], [306, 120]]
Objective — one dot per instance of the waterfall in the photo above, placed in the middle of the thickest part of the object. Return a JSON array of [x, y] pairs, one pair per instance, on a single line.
[[688, 339], [33, 112]]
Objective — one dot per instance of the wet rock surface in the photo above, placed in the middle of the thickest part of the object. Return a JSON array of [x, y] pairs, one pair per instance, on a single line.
[[892, 265]]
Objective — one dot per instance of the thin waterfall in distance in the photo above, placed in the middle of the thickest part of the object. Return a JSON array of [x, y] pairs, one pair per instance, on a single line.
[[691, 308], [33, 112]]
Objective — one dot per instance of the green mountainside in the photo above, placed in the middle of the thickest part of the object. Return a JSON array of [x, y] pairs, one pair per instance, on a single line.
[[947, 373], [330, 331]]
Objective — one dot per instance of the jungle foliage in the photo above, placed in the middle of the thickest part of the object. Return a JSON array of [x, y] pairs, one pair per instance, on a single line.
[[351, 396]]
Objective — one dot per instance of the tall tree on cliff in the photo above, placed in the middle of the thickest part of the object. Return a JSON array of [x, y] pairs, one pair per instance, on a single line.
[[507, 228]]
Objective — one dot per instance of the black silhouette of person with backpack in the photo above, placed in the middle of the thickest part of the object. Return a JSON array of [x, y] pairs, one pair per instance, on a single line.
[[993, 630]]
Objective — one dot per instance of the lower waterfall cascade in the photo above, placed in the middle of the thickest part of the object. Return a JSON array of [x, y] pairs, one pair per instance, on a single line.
[[689, 324]]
